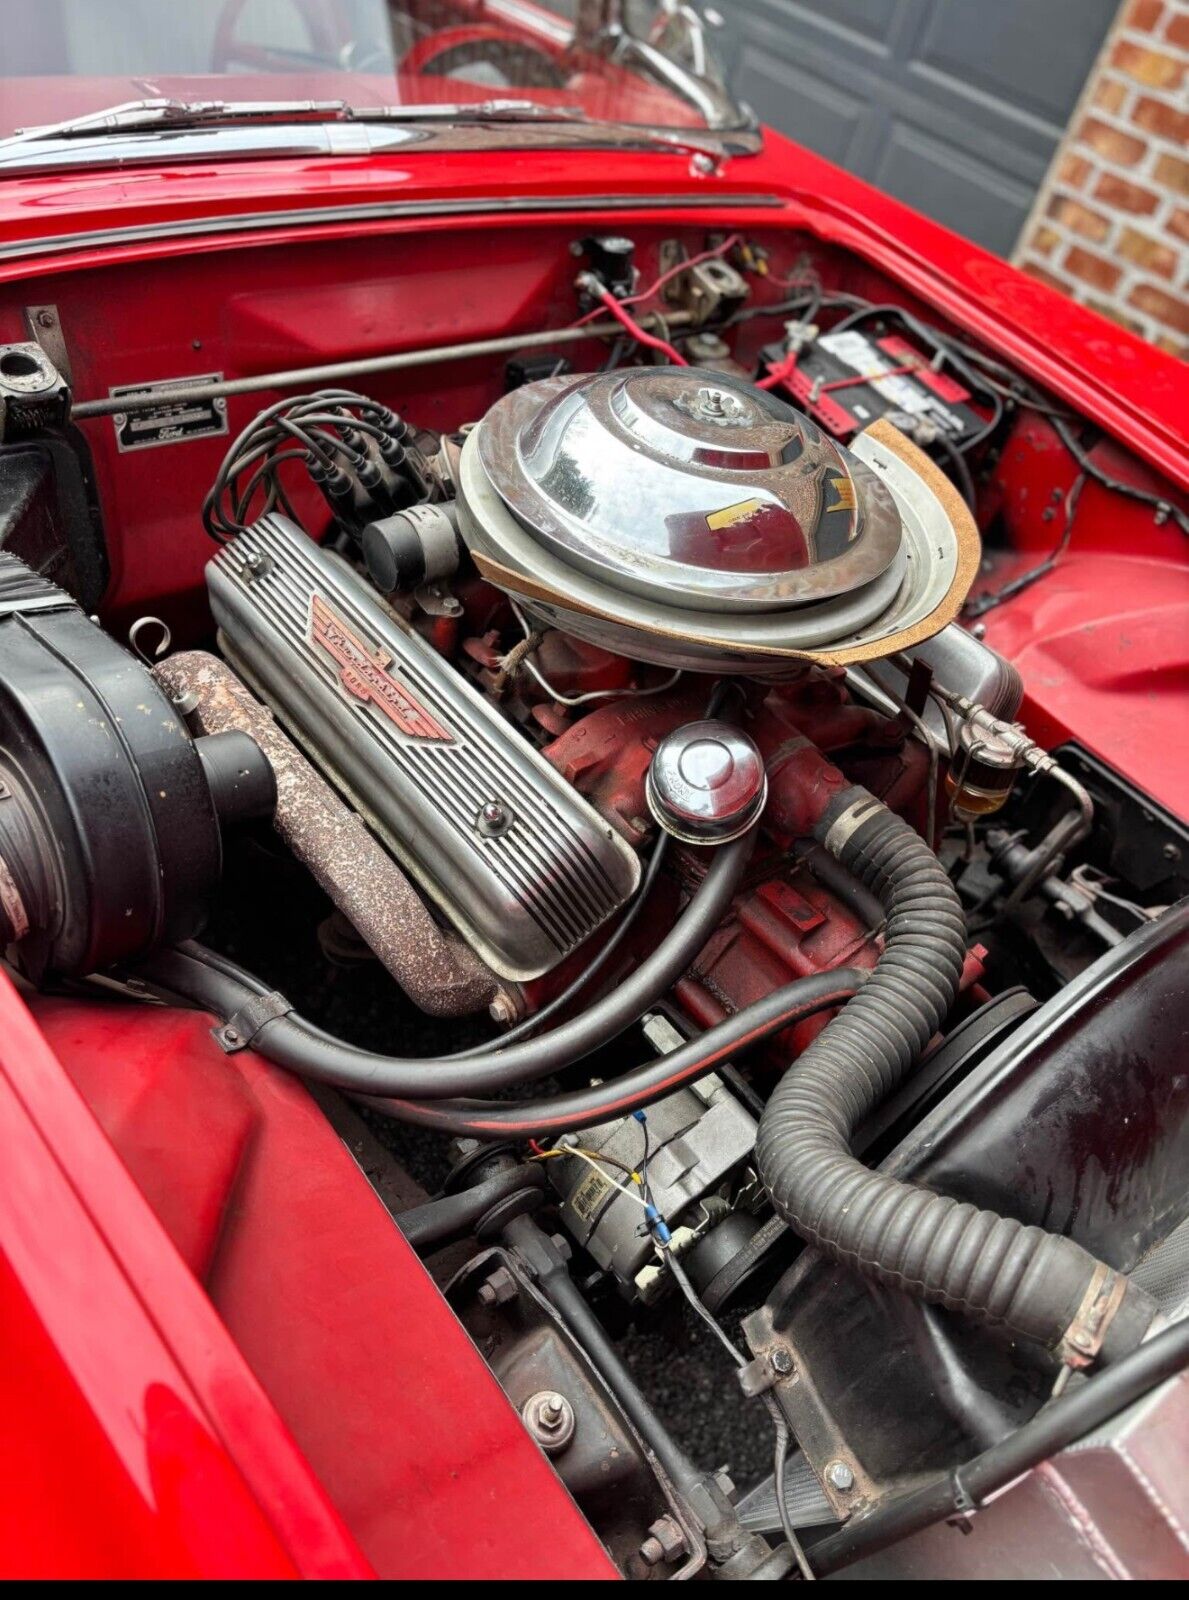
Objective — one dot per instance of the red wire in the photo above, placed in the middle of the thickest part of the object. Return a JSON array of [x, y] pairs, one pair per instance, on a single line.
[[783, 370], [874, 377], [779, 373], [667, 277], [637, 332]]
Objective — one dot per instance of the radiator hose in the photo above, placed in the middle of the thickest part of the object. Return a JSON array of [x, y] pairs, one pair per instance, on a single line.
[[1038, 1285]]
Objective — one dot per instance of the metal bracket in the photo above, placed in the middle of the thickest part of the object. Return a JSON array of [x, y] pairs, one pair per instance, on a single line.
[[768, 1369], [45, 326], [964, 1503], [822, 1440], [238, 1031]]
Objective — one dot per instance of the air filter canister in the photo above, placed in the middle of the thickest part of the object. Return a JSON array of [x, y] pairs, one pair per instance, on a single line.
[[704, 523]]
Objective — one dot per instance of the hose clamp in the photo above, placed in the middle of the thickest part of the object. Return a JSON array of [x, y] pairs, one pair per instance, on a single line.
[[1082, 1340], [849, 821]]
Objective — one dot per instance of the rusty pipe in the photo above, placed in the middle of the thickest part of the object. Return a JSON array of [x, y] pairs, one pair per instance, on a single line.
[[437, 971]]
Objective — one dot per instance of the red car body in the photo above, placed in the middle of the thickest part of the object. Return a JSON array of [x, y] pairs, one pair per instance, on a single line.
[[221, 1358]]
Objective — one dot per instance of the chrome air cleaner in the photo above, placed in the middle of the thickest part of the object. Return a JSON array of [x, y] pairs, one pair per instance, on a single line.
[[696, 521]]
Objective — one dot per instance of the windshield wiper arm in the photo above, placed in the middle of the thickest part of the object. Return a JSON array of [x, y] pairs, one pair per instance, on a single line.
[[134, 115], [479, 111], [137, 115]]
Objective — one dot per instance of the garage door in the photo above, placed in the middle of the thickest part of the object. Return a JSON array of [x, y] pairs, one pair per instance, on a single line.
[[955, 106]]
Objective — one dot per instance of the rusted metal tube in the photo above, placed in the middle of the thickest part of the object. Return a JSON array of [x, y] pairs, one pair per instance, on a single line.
[[436, 970]]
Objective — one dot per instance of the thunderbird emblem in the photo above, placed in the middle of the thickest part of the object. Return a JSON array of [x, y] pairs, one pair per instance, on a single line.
[[364, 675]]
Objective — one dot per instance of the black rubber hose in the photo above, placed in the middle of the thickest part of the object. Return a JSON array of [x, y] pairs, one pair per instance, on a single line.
[[455, 1216], [534, 1023], [1060, 1424], [294, 1043], [583, 1108], [947, 1251]]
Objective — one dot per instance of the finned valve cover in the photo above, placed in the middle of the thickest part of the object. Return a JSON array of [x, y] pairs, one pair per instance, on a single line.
[[690, 518], [513, 855]]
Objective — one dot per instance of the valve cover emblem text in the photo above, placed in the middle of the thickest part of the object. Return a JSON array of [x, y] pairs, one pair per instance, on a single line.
[[364, 675]]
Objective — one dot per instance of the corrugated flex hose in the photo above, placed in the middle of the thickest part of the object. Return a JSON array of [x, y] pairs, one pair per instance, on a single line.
[[998, 1270]]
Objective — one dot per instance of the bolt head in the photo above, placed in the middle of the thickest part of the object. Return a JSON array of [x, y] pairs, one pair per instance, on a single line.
[[502, 1009], [781, 1362], [840, 1475], [494, 819]]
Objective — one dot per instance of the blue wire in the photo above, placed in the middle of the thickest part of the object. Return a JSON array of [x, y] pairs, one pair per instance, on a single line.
[[642, 1118], [660, 1228]]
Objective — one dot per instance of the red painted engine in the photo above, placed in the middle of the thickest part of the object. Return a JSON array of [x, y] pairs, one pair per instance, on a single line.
[[604, 782]]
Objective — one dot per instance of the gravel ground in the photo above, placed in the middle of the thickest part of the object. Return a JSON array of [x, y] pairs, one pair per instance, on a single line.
[[674, 1358]]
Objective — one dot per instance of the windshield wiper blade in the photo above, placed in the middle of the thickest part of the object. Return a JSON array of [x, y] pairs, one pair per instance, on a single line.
[[698, 142], [136, 115], [167, 115], [478, 111]]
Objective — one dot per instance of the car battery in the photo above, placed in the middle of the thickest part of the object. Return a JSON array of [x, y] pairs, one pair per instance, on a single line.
[[848, 379]]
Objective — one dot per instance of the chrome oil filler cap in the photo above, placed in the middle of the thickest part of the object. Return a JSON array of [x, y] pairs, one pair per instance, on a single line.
[[706, 783]]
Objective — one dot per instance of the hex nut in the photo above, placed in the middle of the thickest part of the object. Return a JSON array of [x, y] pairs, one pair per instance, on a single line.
[[665, 1542], [498, 1288], [503, 1008]]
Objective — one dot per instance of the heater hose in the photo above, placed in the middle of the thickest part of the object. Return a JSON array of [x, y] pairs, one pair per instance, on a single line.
[[1039, 1285]]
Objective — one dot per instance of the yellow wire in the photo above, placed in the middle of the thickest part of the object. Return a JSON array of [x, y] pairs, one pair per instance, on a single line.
[[592, 1158]]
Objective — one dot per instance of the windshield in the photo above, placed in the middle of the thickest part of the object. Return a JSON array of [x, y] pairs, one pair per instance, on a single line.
[[642, 64]]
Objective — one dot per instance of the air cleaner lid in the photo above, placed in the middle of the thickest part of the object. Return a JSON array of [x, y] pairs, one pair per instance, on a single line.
[[697, 489]]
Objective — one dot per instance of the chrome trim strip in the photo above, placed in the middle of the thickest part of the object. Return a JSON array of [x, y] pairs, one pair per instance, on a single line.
[[258, 222]]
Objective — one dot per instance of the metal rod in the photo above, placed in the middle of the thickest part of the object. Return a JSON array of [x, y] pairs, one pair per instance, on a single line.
[[560, 1290], [335, 371], [1059, 1425]]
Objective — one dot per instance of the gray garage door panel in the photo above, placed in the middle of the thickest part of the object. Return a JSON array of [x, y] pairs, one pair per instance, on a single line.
[[955, 106], [944, 183]]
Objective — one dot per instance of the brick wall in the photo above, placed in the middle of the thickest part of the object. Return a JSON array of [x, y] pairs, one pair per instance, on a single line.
[[1111, 223]]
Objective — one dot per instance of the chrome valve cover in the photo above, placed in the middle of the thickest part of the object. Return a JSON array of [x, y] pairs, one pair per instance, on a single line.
[[515, 858]]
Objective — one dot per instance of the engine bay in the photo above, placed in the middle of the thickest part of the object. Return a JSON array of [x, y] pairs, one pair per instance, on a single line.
[[580, 755]]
